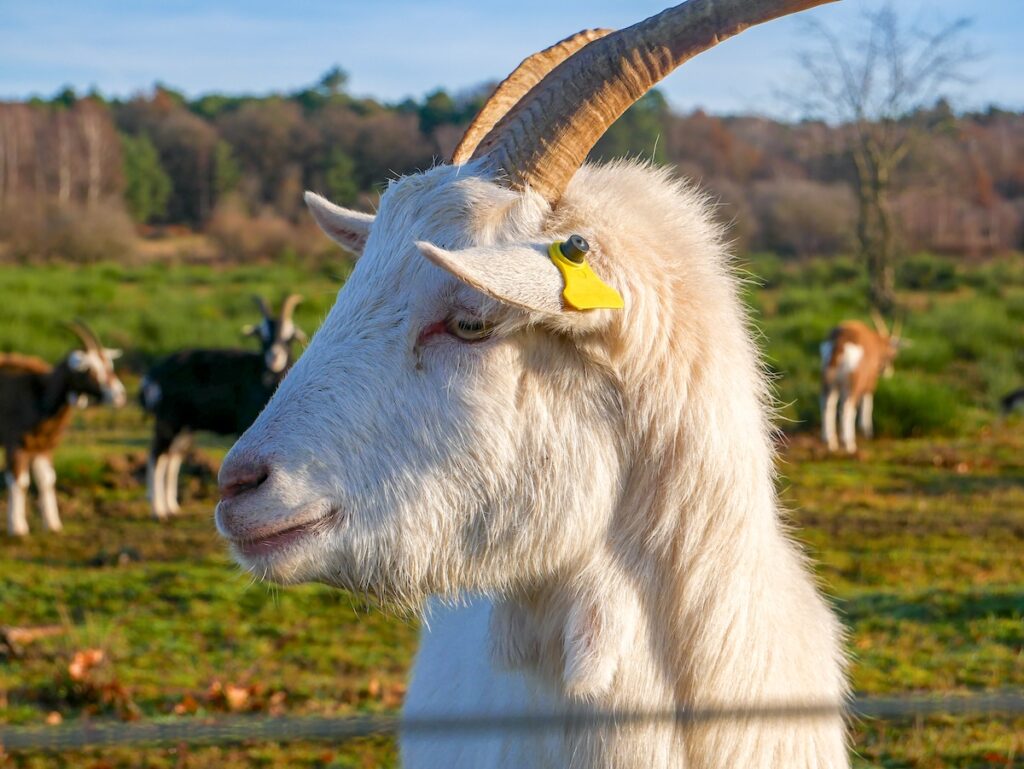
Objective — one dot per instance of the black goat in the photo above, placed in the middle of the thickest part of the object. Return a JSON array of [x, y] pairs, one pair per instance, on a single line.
[[35, 408], [220, 391]]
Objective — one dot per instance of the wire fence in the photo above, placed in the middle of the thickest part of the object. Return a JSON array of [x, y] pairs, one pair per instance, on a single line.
[[239, 729]]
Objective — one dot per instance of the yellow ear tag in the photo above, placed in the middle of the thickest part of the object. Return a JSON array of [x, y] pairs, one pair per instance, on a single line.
[[584, 290]]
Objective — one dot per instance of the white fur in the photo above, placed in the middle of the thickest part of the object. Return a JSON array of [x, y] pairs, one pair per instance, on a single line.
[[852, 355], [156, 486], [867, 405], [17, 491], [848, 363], [606, 478], [46, 486], [174, 460], [524, 277]]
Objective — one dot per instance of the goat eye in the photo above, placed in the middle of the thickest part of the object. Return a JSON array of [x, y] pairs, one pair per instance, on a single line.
[[469, 330]]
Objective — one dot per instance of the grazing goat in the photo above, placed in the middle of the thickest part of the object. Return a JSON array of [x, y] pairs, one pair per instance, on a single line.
[[852, 359], [35, 408], [221, 391], [566, 452]]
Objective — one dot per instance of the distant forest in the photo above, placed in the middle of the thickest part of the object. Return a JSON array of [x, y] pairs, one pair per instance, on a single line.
[[80, 175]]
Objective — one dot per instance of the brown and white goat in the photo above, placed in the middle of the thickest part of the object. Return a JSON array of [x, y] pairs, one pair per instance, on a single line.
[[35, 408], [852, 359]]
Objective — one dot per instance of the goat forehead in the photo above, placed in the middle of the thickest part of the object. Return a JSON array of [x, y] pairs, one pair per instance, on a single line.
[[393, 287], [382, 296], [446, 205], [392, 275]]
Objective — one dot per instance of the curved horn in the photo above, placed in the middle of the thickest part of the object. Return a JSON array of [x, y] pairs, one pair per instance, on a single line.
[[897, 328], [261, 303], [531, 71], [288, 306], [80, 329], [879, 321], [545, 138]]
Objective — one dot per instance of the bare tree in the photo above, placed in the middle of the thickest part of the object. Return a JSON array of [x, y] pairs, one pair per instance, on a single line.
[[877, 83]]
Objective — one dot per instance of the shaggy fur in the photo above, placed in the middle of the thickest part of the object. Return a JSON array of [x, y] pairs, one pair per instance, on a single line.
[[594, 491]]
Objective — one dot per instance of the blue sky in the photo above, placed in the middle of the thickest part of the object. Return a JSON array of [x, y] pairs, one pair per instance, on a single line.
[[404, 48]]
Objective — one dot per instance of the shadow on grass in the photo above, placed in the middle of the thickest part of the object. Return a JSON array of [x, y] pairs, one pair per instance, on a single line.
[[934, 606], [953, 484]]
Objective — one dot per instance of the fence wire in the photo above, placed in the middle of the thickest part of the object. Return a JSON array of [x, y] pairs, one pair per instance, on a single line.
[[240, 729]]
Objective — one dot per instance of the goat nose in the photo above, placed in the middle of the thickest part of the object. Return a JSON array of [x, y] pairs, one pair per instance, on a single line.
[[236, 479]]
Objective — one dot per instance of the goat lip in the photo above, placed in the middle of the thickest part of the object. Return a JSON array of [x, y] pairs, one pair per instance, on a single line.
[[264, 544]]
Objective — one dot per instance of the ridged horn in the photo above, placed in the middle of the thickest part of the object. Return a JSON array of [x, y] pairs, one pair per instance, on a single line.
[[81, 329], [261, 303], [288, 306], [897, 328], [879, 321], [542, 141], [531, 71]]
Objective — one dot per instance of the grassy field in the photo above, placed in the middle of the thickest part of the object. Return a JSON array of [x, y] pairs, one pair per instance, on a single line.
[[919, 540]]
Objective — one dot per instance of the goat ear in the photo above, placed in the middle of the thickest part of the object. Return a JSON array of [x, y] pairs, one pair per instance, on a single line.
[[349, 229], [113, 353], [520, 275]]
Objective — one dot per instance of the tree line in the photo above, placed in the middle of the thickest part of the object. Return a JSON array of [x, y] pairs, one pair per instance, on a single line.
[[223, 162]]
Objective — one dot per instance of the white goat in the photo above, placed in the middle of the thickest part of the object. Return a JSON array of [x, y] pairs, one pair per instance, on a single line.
[[604, 477]]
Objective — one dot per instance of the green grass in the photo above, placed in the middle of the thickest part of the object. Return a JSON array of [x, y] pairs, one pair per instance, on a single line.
[[154, 309], [964, 331], [919, 541]]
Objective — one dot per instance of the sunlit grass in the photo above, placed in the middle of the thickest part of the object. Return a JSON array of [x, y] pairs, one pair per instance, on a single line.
[[919, 542]]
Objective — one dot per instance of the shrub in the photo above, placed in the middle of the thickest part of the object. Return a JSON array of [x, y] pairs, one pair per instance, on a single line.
[[241, 236], [974, 327], [933, 354], [906, 406], [69, 233], [927, 272], [88, 235]]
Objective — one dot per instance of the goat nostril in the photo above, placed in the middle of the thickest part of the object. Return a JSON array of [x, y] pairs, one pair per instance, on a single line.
[[242, 483]]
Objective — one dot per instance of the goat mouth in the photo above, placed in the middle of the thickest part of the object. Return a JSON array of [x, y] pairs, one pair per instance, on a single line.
[[268, 545]]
